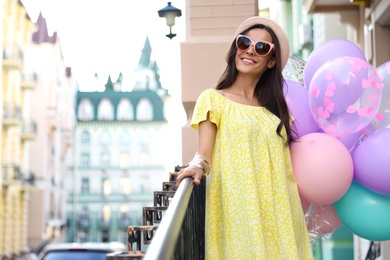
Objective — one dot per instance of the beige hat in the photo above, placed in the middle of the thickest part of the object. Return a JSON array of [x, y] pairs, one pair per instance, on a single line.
[[282, 37]]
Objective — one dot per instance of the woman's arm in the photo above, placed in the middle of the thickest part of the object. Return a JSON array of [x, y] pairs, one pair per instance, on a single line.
[[206, 139]]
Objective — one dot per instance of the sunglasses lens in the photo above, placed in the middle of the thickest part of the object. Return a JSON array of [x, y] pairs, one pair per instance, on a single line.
[[243, 43], [262, 48]]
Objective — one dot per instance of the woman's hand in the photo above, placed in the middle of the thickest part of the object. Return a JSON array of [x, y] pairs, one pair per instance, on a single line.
[[191, 171]]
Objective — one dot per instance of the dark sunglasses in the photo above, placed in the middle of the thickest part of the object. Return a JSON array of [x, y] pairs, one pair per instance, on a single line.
[[262, 48]]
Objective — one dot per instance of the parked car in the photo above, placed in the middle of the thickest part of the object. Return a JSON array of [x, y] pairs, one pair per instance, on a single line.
[[80, 251]]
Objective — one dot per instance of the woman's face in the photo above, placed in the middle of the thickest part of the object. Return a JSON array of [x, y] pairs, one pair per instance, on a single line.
[[248, 61]]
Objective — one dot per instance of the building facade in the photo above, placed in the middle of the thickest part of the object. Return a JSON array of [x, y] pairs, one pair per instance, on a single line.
[[17, 129], [51, 107], [120, 154]]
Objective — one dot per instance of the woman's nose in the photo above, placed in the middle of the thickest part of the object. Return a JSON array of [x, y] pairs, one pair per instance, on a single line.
[[251, 50]]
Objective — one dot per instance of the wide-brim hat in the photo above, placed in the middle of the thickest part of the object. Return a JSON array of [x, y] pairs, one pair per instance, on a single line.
[[280, 34]]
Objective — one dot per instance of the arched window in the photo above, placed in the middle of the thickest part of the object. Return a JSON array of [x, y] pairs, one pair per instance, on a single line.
[[125, 110], [145, 110], [85, 137], [105, 110], [85, 110]]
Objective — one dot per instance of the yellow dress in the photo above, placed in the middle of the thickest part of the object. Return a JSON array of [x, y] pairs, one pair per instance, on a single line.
[[253, 210]]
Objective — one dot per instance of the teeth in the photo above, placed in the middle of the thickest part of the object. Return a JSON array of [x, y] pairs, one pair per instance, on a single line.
[[246, 60]]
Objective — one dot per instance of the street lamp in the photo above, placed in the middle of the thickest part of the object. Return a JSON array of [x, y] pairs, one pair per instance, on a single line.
[[170, 13]]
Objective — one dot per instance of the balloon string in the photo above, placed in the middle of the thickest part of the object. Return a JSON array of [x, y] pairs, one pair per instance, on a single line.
[[314, 222]]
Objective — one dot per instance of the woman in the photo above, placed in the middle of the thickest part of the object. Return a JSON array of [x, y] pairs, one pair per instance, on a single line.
[[253, 209]]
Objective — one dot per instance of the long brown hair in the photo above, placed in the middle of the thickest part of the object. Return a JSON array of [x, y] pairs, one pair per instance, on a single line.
[[273, 98]]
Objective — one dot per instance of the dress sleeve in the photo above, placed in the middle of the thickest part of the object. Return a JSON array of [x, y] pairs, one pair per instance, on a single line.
[[207, 103]]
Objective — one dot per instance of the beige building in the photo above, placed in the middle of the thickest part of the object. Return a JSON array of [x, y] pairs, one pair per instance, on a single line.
[[17, 129], [52, 107], [37, 95]]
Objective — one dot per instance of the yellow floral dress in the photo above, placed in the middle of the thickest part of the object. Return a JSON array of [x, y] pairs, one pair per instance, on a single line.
[[253, 210]]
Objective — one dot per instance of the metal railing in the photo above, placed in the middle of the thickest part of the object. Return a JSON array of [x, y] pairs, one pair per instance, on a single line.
[[180, 234]]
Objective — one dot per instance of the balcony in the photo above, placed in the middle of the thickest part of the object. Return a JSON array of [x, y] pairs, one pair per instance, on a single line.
[[29, 130], [103, 224], [83, 223], [12, 57], [123, 222], [11, 174], [29, 81], [11, 114]]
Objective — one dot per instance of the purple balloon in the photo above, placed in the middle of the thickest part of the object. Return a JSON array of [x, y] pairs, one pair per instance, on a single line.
[[351, 141], [372, 162], [298, 104], [327, 51]]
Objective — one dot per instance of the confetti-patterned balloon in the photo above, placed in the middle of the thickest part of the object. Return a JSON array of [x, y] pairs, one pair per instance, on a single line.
[[382, 118], [345, 95], [294, 70]]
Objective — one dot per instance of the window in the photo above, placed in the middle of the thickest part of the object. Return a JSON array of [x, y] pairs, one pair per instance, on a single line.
[[125, 185], [85, 137], [144, 184], [84, 160], [85, 110], [105, 110], [105, 236], [125, 110], [105, 159], [124, 160], [106, 187], [144, 110], [144, 159], [85, 186]]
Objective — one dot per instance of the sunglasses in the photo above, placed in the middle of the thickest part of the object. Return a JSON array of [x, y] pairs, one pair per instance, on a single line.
[[262, 48]]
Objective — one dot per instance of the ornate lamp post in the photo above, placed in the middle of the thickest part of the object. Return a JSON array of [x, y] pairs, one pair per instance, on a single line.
[[170, 13]]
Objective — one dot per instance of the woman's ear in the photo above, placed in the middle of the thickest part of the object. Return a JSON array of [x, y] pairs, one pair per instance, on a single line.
[[271, 63]]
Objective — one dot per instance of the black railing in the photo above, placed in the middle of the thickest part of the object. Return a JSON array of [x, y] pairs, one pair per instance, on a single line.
[[29, 127], [180, 234], [11, 111], [12, 52], [374, 251], [12, 172]]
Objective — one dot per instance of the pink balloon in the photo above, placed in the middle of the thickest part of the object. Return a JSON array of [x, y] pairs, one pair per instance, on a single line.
[[345, 95], [323, 168], [320, 220]]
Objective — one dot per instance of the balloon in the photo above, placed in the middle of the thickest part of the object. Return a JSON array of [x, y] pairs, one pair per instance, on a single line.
[[329, 50], [294, 70], [372, 162], [298, 104], [351, 141], [344, 95], [323, 168], [382, 118], [365, 213], [320, 220]]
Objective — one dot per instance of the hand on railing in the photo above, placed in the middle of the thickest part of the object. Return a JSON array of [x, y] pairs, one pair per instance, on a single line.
[[191, 171]]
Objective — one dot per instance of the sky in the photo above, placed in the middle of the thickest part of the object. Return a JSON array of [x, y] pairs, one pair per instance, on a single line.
[[107, 36]]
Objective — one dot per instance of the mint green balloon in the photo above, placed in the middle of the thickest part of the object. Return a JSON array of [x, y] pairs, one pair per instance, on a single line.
[[365, 213]]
